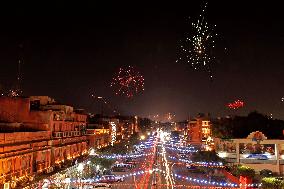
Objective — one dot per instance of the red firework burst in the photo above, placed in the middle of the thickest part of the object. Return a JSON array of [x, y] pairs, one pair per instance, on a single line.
[[128, 82], [236, 104]]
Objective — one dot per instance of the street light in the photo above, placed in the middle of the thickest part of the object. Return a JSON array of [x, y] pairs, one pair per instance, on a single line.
[[92, 152], [142, 137], [80, 167]]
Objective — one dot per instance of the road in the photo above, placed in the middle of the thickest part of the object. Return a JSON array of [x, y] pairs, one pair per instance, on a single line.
[[158, 170], [161, 170]]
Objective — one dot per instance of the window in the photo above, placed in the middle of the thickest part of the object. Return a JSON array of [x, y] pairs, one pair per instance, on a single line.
[[60, 126]]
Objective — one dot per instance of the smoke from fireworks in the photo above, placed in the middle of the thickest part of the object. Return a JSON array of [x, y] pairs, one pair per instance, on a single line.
[[128, 82], [236, 104], [197, 48]]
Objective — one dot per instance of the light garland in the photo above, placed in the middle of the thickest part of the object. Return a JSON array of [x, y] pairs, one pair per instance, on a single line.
[[206, 182], [200, 163], [182, 150], [124, 156], [189, 179]]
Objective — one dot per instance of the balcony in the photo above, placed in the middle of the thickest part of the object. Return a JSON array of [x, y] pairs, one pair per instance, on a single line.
[[76, 133], [57, 134]]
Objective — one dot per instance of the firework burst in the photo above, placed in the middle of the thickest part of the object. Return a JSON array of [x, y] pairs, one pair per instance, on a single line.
[[197, 48], [236, 104], [128, 82]]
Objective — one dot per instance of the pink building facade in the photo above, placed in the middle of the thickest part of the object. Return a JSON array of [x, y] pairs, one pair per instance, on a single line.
[[37, 135]]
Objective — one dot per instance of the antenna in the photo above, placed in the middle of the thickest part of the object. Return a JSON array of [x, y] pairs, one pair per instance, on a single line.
[[17, 89], [19, 76]]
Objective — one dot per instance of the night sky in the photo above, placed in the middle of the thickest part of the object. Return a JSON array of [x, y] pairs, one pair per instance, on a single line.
[[73, 50]]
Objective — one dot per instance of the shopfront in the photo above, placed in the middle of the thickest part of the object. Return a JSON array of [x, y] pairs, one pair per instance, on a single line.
[[255, 151]]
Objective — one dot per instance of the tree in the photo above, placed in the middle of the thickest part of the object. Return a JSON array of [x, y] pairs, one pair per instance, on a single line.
[[144, 124], [222, 128], [206, 156], [242, 126], [123, 147], [272, 183], [102, 162], [115, 149], [244, 171]]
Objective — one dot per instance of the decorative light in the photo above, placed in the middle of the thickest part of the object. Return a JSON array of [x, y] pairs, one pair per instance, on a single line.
[[142, 137], [80, 167], [113, 133]]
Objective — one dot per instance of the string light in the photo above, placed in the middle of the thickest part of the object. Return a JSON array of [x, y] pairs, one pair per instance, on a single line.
[[200, 182], [124, 156], [202, 164], [182, 150]]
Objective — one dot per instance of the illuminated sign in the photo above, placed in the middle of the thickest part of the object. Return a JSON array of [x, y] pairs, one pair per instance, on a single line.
[[113, 133]]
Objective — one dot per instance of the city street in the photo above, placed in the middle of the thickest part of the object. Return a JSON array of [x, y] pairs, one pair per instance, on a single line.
[[160, 170], [158, 165]]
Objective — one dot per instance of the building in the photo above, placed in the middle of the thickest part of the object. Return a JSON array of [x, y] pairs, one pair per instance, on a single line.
[[106, 130], [255, 151], [199, 130], [98, 135], [129, 126], [38, 135], [23, 154], [104, 122], [181, 126]]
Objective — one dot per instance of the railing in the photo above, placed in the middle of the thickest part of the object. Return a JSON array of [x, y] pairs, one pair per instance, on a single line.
[[258, 161], [58, 134], [66, 134]]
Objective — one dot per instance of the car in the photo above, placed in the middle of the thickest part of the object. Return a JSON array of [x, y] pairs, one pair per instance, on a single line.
[[257, 156], [110, 179], [127, 165], [119, 178], [132, 162], [102, 186], [194, 169], [191, 167], [266, 173], [119, 169]]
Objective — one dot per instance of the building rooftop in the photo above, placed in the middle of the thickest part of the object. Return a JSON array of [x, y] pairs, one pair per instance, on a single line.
[[15, 127]]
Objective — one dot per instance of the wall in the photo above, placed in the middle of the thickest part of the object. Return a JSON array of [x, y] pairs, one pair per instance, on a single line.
[[20, 137], [195, 132], [14, 109]]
